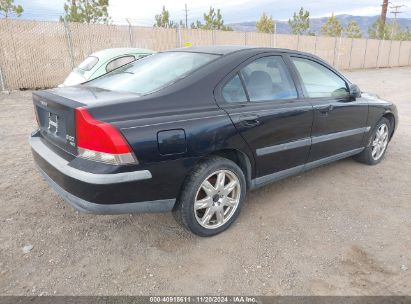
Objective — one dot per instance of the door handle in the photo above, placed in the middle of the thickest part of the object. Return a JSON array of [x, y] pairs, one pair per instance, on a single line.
[[250, 120], [326, 109]]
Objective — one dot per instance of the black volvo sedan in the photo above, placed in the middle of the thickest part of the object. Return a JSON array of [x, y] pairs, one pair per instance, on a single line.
[[192, 130]]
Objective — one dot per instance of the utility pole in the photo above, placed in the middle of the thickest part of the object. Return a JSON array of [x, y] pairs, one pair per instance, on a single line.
[[186, 13], [383, 18], [384, 12], [395, 11]]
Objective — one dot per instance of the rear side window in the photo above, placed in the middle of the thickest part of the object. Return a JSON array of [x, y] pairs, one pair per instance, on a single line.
[[320, 81], [88, 63], [118, 62], [233, 91], [267, 79]]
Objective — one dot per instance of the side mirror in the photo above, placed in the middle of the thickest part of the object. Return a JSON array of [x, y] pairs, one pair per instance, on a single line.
[[355, 92]]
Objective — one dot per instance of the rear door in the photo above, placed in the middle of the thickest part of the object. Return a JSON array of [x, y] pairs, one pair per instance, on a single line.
[[262, 100], [339, 121]]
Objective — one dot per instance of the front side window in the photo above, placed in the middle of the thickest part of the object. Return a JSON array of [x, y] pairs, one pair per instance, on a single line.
[[320, 81], [152, 73], [233, 91], [118, 62], [267, 78], [88, 63]]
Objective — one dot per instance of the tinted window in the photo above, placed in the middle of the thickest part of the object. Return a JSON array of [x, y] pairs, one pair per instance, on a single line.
[[320, 81], [88, 63], [267, 78], [233, 91], [118, 62], [152, 72]]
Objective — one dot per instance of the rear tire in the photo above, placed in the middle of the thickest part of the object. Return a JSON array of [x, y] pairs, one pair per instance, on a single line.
[[377, 144], [211, 197]]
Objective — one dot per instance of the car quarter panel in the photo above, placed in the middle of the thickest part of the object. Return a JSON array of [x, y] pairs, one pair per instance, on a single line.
[[377, 108]]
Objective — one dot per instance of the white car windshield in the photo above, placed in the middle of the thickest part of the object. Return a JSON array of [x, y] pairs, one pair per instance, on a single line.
[[153, 72]]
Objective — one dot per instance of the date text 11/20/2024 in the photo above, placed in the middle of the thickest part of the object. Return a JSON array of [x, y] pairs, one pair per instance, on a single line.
[[203, 299]]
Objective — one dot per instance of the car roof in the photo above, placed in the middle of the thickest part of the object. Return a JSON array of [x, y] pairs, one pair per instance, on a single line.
[[113, 52], [228, 49]]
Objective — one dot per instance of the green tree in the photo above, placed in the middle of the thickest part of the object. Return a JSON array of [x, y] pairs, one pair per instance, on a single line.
[[265, 24], [196, 25], [353, 30], [379, 30], [403, 35], [398, 34], [86, 11], [163, 19], [332, 27], [8, 8], [300, 23], [214, 21]]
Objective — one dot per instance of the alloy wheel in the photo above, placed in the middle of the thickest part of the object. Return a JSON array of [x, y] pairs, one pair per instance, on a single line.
[[380, 142], [217, 199]]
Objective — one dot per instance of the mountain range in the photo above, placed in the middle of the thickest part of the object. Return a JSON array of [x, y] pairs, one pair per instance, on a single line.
[[364, 22]]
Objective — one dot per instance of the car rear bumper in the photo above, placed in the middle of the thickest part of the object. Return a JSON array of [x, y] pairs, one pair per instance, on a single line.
[[114, 193]]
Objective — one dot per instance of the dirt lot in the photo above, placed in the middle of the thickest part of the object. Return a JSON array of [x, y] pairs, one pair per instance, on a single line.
[[343, 229]]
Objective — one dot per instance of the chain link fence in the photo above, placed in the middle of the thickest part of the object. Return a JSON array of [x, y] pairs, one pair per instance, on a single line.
[[40, 54]]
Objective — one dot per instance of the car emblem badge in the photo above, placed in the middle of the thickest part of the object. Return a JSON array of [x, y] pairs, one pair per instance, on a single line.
[[53, 123]]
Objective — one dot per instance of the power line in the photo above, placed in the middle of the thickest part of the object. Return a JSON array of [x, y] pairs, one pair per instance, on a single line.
[[395, 11]]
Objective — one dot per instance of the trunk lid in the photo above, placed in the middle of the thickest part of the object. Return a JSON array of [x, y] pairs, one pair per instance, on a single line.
[[55, 111], [56, 120]]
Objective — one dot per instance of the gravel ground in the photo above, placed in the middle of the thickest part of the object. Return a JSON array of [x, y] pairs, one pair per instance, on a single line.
[[342, 229]]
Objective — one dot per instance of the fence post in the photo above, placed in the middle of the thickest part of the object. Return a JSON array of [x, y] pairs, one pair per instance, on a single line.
[[399, 54], [69, 42], [179, 36], [389, 55], [298, 42], [3, 86], [378, 54], [409, 58], [245, 38], [213, 36], [315, 45], [349, 61], [275, 34], [339, 51], [130, 33], [365, 53], [335, 50]]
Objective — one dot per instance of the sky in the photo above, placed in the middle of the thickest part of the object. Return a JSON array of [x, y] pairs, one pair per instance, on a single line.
[[143, 12]]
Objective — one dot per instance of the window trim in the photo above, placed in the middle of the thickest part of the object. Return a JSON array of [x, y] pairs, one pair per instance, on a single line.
[[122, 56], [295, 81], [325, 65], [242, 85]]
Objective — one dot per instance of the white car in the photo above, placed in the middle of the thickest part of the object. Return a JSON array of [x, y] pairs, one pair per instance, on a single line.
[[102, 62]]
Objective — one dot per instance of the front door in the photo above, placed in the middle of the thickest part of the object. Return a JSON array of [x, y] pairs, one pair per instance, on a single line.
[[339, 122], [262, 100]]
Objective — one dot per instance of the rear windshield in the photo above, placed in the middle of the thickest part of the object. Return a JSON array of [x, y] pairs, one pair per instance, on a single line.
[[88, 63], [152, 73]]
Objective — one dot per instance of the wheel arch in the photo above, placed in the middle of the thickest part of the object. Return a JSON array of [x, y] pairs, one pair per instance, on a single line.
[[240, 159], [391, 118]]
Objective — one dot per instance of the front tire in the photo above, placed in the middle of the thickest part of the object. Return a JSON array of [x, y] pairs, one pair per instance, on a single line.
[[211, 197], [377, 144]]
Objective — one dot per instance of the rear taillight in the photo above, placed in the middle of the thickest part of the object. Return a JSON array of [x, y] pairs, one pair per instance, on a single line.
[[100, 141]]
